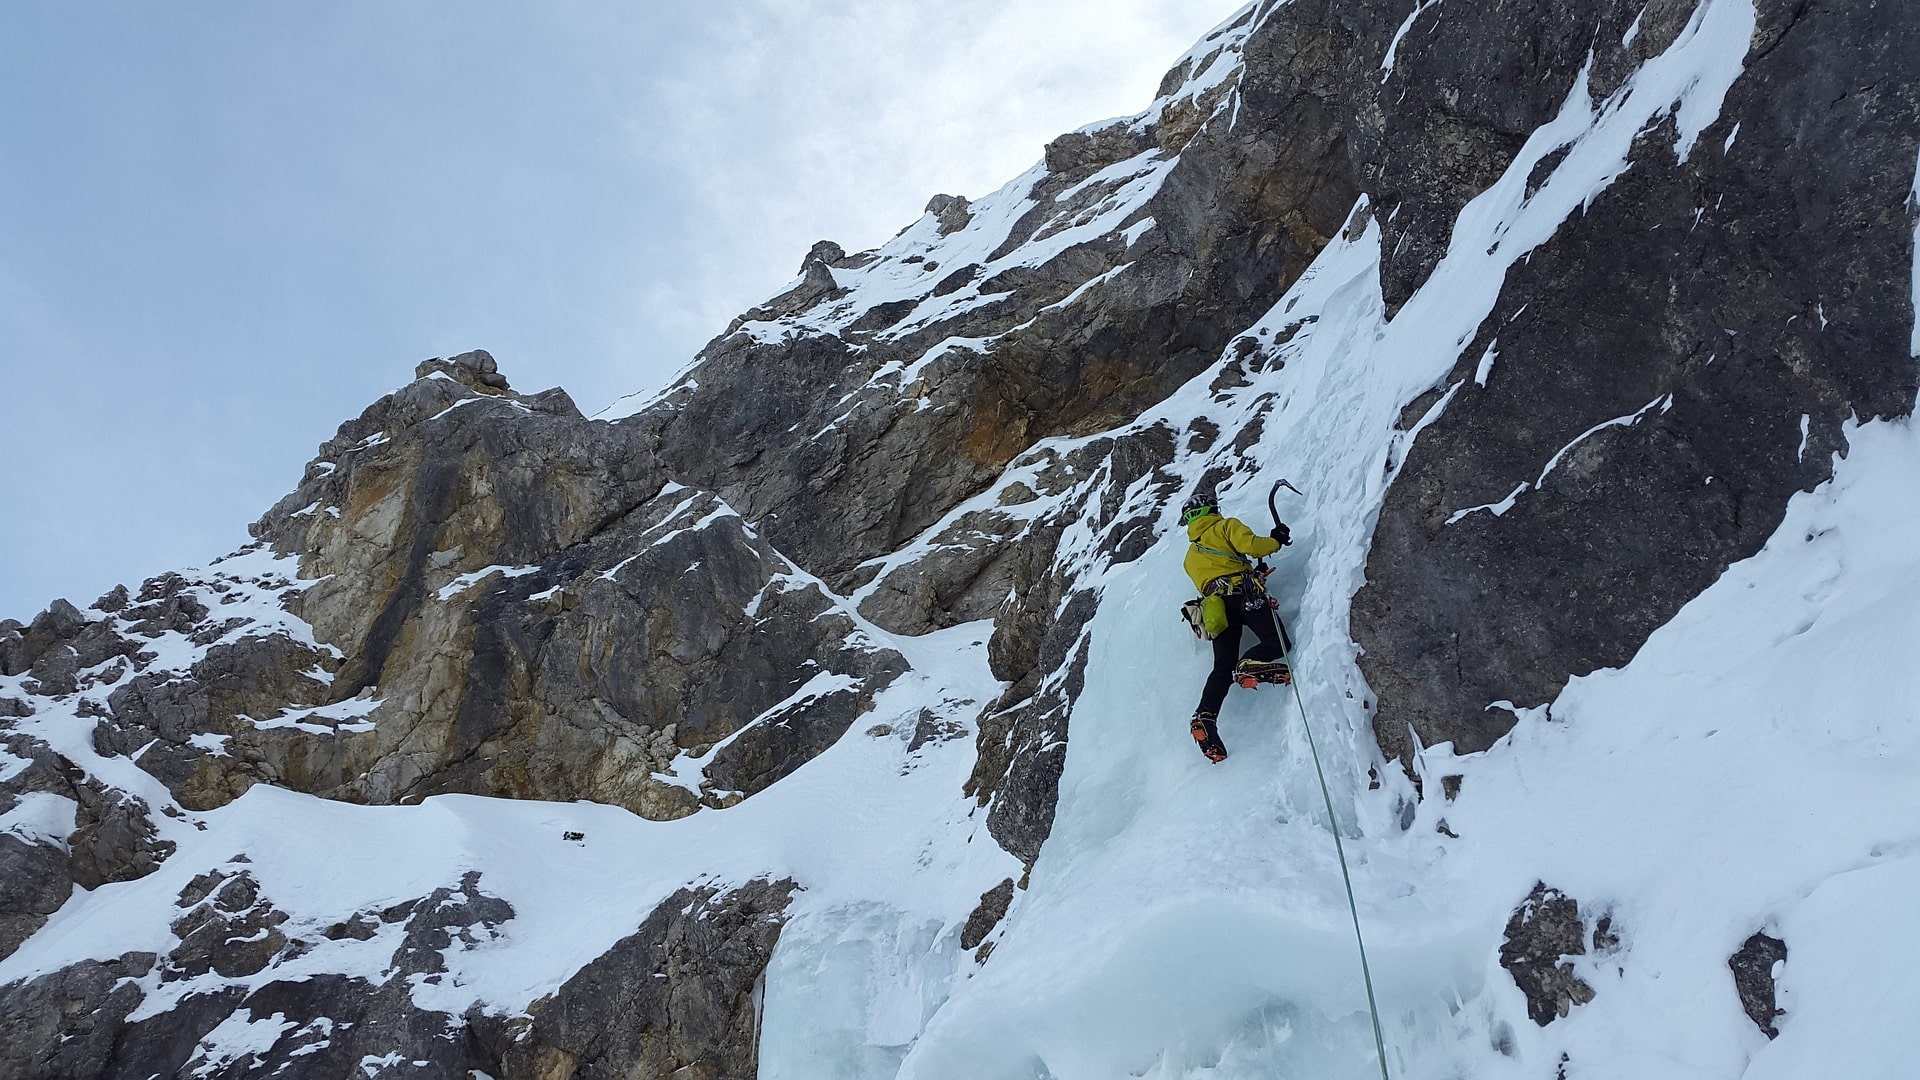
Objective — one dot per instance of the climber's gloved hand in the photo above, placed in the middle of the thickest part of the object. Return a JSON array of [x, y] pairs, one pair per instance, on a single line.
[[1281, 535]]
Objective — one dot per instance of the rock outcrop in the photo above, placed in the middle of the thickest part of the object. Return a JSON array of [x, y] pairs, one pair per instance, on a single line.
[[64, 829], [1651, 404], [993, 907], [1546, 929], [218, 985], [679, 998], [848, 425], [474, 591], [1753, 967]]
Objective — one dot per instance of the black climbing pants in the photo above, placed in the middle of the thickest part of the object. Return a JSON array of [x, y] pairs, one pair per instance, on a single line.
[[1226, 648]]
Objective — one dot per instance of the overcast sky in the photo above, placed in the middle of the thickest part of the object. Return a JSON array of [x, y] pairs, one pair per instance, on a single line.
[[226, 228]]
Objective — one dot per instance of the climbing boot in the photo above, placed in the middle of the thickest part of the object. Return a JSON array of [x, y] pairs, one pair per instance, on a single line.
[[1208, 736], [1251, 673]]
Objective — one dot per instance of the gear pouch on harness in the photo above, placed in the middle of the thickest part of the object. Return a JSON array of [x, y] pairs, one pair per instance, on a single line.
[[1213, 611], [1206, 616]]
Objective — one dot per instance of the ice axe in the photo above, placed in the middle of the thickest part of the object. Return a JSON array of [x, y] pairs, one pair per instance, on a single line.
[[1272, 507]]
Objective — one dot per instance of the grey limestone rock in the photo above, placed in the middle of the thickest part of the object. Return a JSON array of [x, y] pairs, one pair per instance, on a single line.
[[475, 370], [113, 839], [115, 600], [34, 882], [74, 1022], [52, 650], [992, 908], [63, 1026], [1079, 154], [1723, 299], [1753, 965], [825, 251], [450, 915], [1544, 930], [967, 577], [839, 469], [676, 998], [817, 284], [252, 678], [517, 603], [36, 874], [1040, 629], [227, 928], [13, 648], [953, 212]]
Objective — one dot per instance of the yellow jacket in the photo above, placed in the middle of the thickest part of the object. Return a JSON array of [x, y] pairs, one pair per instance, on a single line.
[[1228, 536]]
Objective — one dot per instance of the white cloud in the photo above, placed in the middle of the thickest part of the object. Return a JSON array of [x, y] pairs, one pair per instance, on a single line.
[[838, 120], [230, 228]]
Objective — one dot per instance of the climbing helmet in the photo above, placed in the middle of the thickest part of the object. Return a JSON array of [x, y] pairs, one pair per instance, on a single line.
[[1198, 505]]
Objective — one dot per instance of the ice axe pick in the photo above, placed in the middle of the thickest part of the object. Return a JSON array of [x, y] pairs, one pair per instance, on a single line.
[[1272, 507]]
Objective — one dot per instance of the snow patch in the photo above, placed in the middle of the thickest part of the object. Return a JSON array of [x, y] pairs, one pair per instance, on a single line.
[[240, 1035], [210, 743], [41, 817], [455, 405], [474, 577], [1420, 7], [1486, 364], [1913, 207], [342, 717], [1663, 403], [1723, 30], [612, 574], [1494, 508]]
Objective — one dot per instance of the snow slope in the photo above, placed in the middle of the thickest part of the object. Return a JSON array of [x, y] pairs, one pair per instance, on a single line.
[[872, 825]]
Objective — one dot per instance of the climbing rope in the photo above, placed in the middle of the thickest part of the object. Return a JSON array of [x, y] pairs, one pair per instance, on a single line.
[[1333, 822], [1333, 826]]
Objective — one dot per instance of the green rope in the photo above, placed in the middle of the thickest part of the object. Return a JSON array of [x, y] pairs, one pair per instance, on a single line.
[[1333, 825]]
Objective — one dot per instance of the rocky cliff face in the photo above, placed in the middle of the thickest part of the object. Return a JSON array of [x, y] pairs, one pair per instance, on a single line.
[[1649, 405], [478, 592]]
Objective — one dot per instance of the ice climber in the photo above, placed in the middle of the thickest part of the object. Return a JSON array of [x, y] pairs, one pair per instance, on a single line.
[[1224, 561]]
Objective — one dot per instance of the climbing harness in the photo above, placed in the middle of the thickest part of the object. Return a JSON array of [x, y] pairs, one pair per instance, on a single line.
[[1333, 824]]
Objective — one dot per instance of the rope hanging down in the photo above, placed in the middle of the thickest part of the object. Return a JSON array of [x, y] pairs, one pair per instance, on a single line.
[[1333, 826], [1333, 823]]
